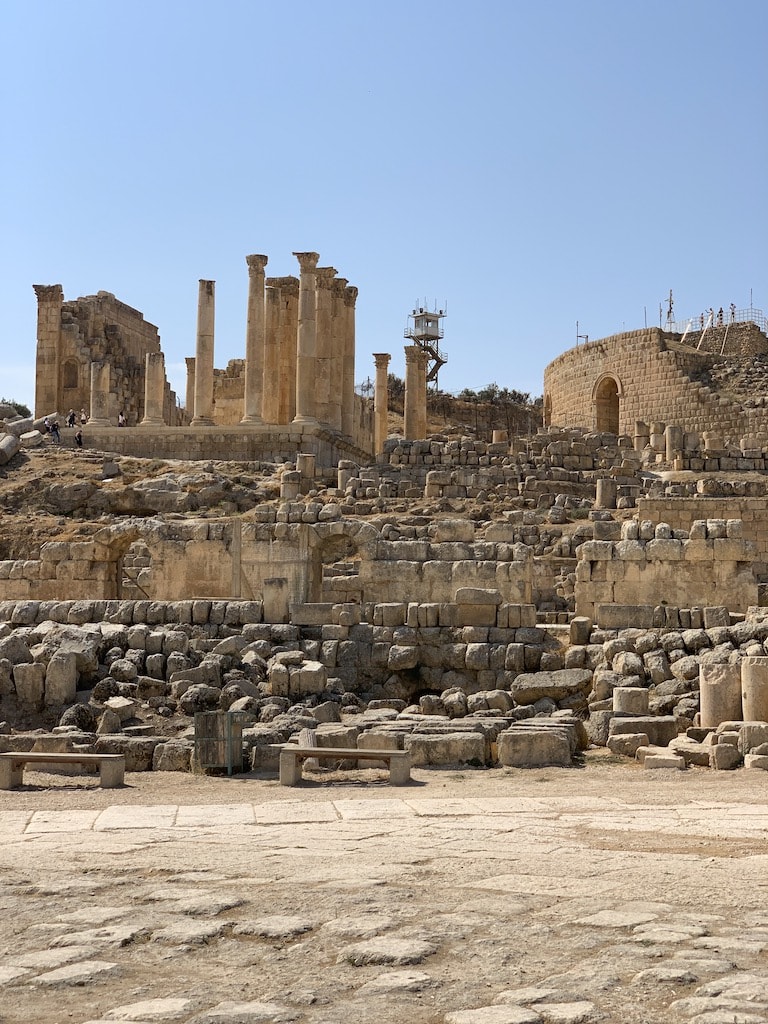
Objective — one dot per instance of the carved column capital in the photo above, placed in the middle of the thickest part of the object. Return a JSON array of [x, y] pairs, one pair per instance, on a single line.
[[307, 261], [350, 295], [48, 292], [325, 276], [381, 359], [256, 263]]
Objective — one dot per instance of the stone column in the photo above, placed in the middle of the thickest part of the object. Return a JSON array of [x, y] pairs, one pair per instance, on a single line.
[[324, 384], [100, 396], [380, 401], [416, 360], [255, 338], [48, 369], [154, 390], [189, 395], [720, 694], [673, 441], [306, 340], [605, 493], [754, 689], [348, 367], [339, 323], [285, 349], [204, 356]]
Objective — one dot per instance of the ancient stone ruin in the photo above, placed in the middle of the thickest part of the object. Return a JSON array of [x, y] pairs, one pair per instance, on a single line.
[[273, 557]]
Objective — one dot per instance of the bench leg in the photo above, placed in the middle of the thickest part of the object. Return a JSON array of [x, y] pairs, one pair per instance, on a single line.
[[290, 768], [112, 774], [10, 775], [399, 771]]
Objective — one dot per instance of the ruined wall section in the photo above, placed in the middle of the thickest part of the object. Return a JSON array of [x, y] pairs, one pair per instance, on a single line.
[[656, 378], [654, 565]]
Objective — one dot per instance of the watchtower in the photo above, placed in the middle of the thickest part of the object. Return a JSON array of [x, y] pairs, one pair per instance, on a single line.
[[426, 331]]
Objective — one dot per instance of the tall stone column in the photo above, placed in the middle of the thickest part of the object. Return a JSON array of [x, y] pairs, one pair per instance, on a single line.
[[189, 394], [415, 419], [204, 356], [339, 320], [255, 338], [100, 404], [154, 390], [306, 340], [324, 383], [348, 368], [380, 401], [282, 313], [48, 369]]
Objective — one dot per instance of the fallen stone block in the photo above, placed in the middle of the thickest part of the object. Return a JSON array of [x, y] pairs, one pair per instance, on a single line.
[[660, 729], [664, 761], [724, 756], [533, 748], [449, 748], [626, 744]]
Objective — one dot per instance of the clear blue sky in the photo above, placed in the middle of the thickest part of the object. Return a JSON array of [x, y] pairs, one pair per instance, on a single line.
[[531, 164]]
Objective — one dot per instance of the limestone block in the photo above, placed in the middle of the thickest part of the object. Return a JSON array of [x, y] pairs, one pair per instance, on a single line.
[[716, 616], [533, 748], [597, 726], [660, 729], [664, 761], [724, 756], [752, 735], [402, 658], [307, 678], [626, 744], [461, 530], [720, 692], [29, 679], [172, 757], [630, 551], [756, 761], [475, 614], [61, 679], [477, 657], [627, 663], [138, 750], [478, 596], [531, 687], [596, 551], [664, 550], [630, 700], [446, 749]]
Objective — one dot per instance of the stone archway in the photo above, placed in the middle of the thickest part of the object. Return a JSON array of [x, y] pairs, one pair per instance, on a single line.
[[606, 396], [337, 554], [547, 415]]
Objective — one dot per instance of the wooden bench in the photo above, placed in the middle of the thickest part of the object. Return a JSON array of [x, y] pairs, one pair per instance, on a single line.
[[111, 766], [293, 757]]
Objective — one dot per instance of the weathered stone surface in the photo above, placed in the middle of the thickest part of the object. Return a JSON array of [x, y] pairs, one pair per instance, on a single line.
[[530, 687], [531, 748]]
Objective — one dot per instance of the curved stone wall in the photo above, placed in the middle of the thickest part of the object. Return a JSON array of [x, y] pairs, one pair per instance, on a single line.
[[648, 375]]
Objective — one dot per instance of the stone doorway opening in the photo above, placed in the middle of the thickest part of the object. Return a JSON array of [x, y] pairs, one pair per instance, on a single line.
[[605, 397]]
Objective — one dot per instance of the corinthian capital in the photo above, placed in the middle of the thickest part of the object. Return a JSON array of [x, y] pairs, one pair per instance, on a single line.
[[48, 292], [256, 263], [307, 261], [350, 295]]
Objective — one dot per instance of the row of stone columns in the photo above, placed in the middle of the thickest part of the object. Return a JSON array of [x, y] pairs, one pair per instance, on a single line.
[[300, 349]]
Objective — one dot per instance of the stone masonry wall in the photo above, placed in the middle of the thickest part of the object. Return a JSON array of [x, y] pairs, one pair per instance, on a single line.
[[656, 378], [649, 564]]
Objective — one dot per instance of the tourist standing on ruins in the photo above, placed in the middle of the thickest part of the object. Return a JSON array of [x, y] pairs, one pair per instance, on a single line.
[[79, 438], [71, 418], [83, 417], [121, 419], [54, 429]]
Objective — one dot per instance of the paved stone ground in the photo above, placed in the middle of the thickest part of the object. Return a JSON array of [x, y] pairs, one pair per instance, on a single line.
[[504, 897]]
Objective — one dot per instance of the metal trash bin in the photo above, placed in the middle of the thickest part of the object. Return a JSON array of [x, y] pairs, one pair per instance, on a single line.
[[219, 739]]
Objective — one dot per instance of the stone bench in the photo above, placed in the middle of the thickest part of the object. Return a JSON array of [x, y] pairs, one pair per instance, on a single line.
[[111, 766], [293, 757]]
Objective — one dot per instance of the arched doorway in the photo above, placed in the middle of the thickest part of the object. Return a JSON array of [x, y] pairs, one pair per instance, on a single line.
[[605, 399]]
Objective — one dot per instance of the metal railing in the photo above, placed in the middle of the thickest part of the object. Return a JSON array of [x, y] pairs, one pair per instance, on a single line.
[[715, 319]]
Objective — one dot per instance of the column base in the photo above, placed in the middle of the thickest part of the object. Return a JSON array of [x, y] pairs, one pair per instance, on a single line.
[[202, 421], [96, 421], [255, 419], [306, 421], [151, 423]]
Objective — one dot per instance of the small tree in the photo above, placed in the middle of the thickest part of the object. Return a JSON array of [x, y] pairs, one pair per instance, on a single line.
[[20, 408]]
